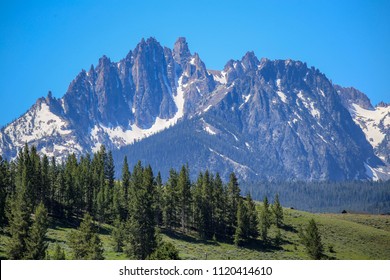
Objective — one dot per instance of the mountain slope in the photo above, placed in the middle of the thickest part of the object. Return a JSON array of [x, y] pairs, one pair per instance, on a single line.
[[274, 120], [374, 122]]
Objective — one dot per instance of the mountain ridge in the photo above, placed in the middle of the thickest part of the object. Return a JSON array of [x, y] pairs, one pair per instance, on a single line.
[[282, 117]]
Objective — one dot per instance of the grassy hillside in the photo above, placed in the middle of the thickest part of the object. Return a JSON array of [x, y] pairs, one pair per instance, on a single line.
[[345, 236]]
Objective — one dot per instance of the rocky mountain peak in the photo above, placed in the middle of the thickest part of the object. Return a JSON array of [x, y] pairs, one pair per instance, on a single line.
[[250, 62], [268, 119], [181, 52], [350, 95]]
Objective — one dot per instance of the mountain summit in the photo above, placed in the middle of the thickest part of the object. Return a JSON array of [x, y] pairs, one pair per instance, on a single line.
[[263, 119]]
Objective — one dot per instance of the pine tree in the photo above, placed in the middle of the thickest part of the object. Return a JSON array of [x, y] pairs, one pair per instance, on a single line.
[[85, 242], [159, 199], [233, 197], [277, 212], [311, 238], [219, 208], [197, 199], [184, 197], [125, 190], [265, 219], [36, 244], [170, 205], [241, 234], [19, 223], [165, 251], [44, 194], [18, 212], [207, 229], [59, 253], [4, 182], [253, 231], [141, 239], [118, 236]]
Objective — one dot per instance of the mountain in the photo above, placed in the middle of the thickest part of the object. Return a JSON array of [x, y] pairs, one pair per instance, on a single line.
[[264, 119], [374, 122]]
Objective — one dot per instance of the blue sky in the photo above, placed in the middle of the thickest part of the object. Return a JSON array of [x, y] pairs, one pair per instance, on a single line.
[[45, 44]]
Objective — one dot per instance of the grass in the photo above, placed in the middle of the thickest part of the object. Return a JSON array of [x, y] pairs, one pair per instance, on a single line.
[[345, 236]]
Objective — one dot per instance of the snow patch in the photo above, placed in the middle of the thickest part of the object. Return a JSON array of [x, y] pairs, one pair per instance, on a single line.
[[220, 78], [322, 138], [369, 121], [207, 108], [239, 168], [282, 96], [371, 172], [121, 137], [246, 99]]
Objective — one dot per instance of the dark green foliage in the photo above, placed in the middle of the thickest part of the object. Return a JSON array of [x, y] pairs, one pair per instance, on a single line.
[[311, 238], [85, 242], [19, 223], [265, 219], [247, 223], [118, 236], [277, 211], [170, 203], [353, 196], [242, 235], [4, 184], [184, 197], [233, 196], [124, 193], [20, 209], [59, 253], [36, 244], [135, 205], [141, 240], [165, 251], [278, 238], [219, 208], [253, 226]]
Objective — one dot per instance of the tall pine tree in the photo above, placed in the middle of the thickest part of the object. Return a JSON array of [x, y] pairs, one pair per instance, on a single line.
[[85, 242], [265, 220], [141, 224], [36, 244]]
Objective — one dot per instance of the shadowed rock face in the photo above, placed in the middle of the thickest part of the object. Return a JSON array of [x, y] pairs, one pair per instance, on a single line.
[[264, 119]]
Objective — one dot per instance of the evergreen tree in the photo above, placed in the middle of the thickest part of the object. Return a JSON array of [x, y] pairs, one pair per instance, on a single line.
[[219, 208], [170, 206], [198, 204], [36, 244], [19, 223], [265, 219], [59, 253], [159, 200], [253, 226], [311, 238], [141, 225], [125, 190], [233, 197], [118, 236], [4, 181], [86, 183], [207, 229], [184, 197], [85, 242], [165, 251], [277, 212], [241, 234], [52, 173]]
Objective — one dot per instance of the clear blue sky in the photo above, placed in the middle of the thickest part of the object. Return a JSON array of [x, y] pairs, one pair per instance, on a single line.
[[44, 44]]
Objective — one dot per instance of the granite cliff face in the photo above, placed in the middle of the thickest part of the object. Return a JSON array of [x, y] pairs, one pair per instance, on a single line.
[[264, 119]]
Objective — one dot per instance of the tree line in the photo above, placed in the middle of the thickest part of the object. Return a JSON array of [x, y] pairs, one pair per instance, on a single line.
[[138, 206]]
